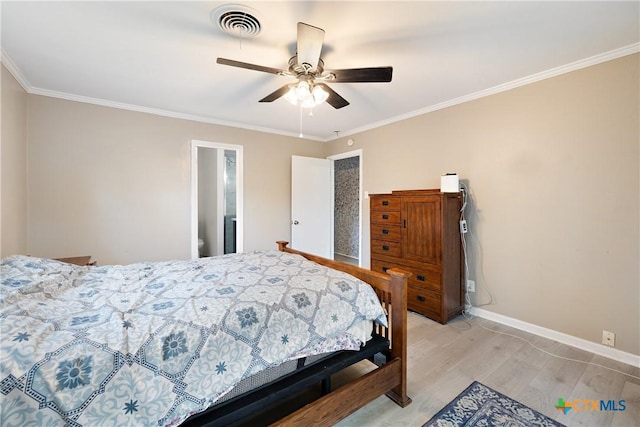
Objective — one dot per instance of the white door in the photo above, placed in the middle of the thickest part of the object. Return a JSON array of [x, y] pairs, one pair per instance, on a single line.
[[312, 206]]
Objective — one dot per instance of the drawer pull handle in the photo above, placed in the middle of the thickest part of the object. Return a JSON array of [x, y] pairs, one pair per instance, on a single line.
[[385, 231], [385, 216], [385, 203], [421, 277], [385, 247], [421, 298], [385, 269]]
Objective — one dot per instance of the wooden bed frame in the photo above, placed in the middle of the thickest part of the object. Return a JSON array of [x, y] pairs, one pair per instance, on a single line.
[[389, 378]]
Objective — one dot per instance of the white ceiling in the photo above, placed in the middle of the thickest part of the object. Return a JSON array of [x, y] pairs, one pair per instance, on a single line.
[[160, 57]]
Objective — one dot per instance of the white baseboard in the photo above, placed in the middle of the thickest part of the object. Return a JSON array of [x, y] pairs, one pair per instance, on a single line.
[[599, 349]]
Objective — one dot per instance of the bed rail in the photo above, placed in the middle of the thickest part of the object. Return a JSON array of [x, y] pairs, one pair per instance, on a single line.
[[391, 288]]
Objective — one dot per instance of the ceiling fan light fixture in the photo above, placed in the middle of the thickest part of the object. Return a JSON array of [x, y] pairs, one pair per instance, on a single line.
[[306, 94], [319, 95], [302, 91], [291, 95]]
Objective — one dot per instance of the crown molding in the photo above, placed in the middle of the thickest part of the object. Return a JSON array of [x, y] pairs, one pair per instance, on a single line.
[[15, 71], [159, 112], [573, 66]]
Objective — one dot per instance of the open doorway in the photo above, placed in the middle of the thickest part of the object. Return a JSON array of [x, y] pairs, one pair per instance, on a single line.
[[347, 220], [216, 199]]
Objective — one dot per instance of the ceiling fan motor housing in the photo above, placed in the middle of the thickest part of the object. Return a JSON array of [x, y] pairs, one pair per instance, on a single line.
[[304, 68]]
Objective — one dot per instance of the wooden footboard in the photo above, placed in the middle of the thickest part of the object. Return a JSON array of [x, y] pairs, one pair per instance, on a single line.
[[390, 378]]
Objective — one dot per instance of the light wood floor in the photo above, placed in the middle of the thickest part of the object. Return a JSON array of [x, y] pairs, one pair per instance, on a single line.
[[445, 359], [347, 259]]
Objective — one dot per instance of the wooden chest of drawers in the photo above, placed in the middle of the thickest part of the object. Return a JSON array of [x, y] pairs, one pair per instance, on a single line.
[[418, 231]]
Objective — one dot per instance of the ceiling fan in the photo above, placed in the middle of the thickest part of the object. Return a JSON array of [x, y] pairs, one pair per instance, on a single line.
[[308, 68]]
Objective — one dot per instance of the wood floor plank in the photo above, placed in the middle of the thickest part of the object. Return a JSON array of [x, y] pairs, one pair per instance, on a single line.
[[630, 417], [444, 359]]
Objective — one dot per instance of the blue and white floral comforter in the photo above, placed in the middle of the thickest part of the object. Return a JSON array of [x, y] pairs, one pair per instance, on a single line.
[[152, 343]]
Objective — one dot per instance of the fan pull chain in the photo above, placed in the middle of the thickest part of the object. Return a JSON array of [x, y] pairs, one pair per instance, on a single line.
[[310, 115], [301, 135]]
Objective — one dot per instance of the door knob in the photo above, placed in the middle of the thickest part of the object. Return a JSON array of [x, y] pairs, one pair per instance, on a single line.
[[295, 222]]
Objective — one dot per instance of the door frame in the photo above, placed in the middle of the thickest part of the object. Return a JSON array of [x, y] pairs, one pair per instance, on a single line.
[[346, 155], [195, 145]]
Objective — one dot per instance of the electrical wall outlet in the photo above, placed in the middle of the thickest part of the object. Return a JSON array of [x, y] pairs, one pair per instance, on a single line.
[[471, 286], [609, 338]]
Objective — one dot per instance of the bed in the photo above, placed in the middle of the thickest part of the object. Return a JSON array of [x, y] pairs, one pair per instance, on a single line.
[[167, 343]]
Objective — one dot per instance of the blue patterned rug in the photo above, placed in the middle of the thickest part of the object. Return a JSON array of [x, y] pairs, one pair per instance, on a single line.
[[480, 405]]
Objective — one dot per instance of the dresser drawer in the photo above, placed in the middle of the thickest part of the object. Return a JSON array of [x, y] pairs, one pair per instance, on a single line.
[[386, 247], [385, 232], [424, 302], [382, 266], [384, 202], [421, 278], [424, 279], [385, 217]]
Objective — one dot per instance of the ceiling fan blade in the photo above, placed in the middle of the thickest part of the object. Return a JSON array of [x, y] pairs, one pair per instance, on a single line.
[[310, 41], [248, 66], [276, 94], [335, 100], [362, 75]]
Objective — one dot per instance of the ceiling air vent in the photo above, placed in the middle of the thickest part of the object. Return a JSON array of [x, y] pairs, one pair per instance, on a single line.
[[237, 20]]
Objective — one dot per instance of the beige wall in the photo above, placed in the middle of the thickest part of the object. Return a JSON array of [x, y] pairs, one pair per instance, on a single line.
[[553, 172], [13, 153], [115, 184]]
